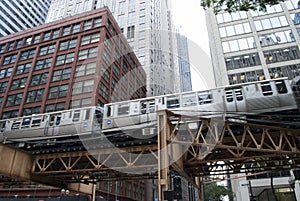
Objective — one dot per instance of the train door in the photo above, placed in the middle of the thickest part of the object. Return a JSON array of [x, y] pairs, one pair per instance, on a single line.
[[235, 100], [147, 111], [54, 122]]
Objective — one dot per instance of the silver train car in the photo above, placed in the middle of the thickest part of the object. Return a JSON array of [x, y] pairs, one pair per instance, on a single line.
[[52, 125], [256, 98]]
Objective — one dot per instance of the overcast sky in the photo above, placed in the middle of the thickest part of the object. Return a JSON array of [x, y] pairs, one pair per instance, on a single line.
[[189, 15]]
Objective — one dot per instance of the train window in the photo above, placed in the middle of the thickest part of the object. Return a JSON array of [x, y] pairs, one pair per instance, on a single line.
[[143, 107], [172, 102], [26, 122], [123, 109], [204, 98], [36, 122], [15, 125], [239, 94], [229, 96], [99, 116], [266, 89], [152, 106], [188, 100], [281, 87], [108, 111], [87, 114], [2, 126], [76, 116]]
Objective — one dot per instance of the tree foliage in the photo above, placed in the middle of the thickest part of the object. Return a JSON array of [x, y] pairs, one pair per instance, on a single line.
[[213, 192], [238, 5]]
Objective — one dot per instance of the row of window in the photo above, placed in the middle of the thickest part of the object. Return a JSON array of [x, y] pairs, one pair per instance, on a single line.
[[270, 23], [239, 44], [250, 76], [52, 34], [60, 106], [235, 29], [242, 61], [64, 45], [283, 54], [276, 38]]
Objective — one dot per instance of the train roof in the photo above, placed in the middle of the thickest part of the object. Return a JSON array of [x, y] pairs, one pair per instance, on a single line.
[[201, 91]]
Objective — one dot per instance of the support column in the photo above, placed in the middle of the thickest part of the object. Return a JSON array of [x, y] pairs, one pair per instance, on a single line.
[[163, 155], [200, 188]]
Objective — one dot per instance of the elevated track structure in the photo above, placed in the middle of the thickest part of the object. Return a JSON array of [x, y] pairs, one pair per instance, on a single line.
[[192, 145]]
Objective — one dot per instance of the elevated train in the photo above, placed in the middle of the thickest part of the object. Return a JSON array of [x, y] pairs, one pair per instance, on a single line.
[[135, 120]]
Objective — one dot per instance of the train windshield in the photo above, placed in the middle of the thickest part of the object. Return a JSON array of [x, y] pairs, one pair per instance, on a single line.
[[173, 102], [281, 87]]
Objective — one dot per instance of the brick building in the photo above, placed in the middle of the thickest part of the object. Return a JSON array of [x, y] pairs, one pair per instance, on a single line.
[[79, 61], [75, 62]]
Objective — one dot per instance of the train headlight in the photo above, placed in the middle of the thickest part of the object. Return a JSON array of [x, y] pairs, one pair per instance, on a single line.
[[108, 122]]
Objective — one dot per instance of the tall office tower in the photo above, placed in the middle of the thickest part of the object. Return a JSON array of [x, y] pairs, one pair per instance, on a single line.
[[184, 63], [148, 27], [17, 15], [253, 45]]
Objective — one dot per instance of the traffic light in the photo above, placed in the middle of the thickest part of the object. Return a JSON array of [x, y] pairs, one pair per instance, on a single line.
[[177, 187]]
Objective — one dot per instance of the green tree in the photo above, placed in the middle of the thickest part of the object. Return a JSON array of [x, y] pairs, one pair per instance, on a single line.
[[213, 192], [238, 5]]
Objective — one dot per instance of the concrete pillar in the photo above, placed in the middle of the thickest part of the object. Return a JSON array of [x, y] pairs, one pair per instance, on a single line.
[[163, 156]]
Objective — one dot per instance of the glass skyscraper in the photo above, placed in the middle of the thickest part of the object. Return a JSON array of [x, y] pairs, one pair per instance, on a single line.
[[16, 15]]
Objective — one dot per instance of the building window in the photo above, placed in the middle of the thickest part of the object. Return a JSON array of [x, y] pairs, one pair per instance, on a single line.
[[29, 54], [81, 103], [28, 41], [103, 91], [31, 111], [10, 114], [85, 69], [228, 17], [270, 23], [47, 50], [87, 25], [14, 99], [92, 38], [67, 44], [250, 76], [242, 61], [9, 59], [61, 74], [46, 36], [131, 18], [55, 33], [83, 87], [19, 43], [64, 59], [2, 48], [284, 54], [269, 10], [19, 83], [39, 79], [66, 31], [36, 39], [106, 57], [55, 107], [43, 63], [88, 53], [58, 91], [276, 38], [97, 22], [76, 28], [5, 72], [3, 87], [235, 30], [237, 45], [35, 96], [11, 45], [23, 68]]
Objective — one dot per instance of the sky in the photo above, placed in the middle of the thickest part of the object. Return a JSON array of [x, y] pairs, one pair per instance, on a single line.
[[189, 16]]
